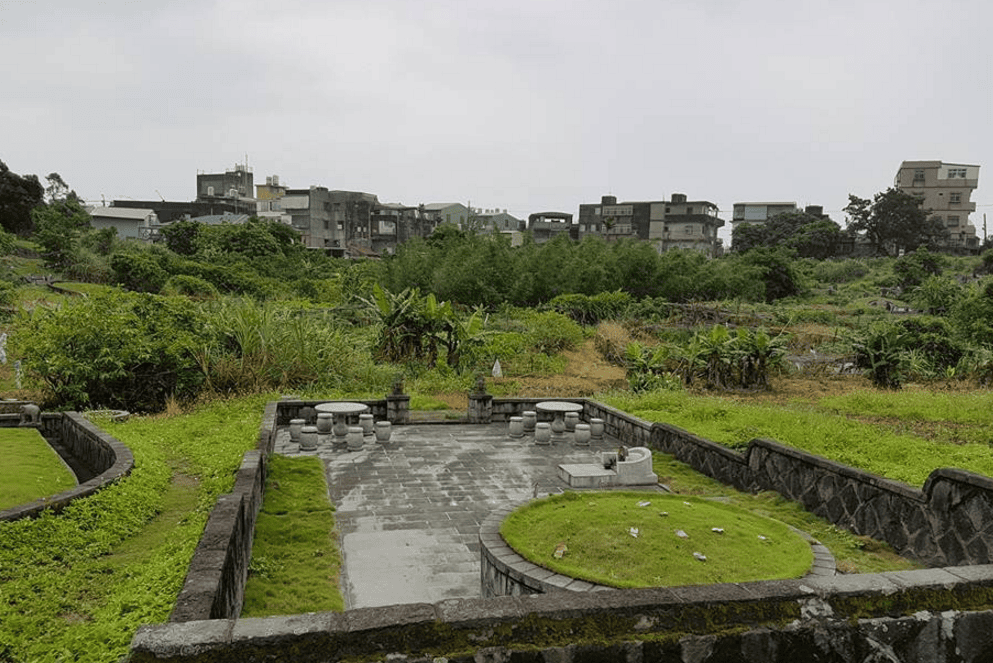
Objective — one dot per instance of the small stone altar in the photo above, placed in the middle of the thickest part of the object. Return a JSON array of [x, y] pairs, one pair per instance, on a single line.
[[634, 470]]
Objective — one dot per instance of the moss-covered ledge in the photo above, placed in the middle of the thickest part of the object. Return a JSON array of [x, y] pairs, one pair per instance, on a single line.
[[457, 627]]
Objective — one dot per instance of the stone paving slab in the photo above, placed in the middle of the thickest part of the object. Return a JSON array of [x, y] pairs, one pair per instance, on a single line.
[[408, 511]]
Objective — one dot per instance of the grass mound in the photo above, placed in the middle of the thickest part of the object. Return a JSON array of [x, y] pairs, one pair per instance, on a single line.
[[641, 539]]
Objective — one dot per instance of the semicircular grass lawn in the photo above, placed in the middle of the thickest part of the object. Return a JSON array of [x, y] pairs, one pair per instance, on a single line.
[[31, 469], [594, 531]]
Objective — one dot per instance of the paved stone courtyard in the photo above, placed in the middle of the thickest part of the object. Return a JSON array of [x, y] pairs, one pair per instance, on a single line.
[[408, 511]]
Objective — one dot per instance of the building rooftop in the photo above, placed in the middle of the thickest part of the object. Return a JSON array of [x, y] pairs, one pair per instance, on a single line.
[[120, 212]]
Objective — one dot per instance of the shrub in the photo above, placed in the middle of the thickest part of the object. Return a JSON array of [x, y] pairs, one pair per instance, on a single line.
[[590, 310], [972, 314], [878, 350], [138, 271], [189, 286], [913, 268], [550, 332], [839, 271], [936, 294], [113, 350]]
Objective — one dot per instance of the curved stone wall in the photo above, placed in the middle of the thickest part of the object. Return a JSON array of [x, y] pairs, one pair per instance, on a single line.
[[106, 458]]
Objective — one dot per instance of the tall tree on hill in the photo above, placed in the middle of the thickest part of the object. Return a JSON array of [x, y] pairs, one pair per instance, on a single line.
[[59, 224], [19, 194], [894, 221], [810, 236]]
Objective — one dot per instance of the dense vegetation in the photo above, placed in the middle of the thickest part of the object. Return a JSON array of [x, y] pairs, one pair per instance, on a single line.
[[219, 311]]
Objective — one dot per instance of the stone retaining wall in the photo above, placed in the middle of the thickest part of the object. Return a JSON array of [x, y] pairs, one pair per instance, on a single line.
[[298, 409], [105, 457], [214, 587], [844, 619]]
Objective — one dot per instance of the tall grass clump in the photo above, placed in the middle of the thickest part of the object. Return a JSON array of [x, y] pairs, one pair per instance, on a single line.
[[255, 346]]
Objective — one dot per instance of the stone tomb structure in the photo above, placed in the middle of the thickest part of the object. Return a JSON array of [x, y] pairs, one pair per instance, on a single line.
[[942, 613], [633, 469]]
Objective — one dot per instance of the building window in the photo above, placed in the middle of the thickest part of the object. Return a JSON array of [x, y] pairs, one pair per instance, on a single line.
[[918, 174], [955, 198], [689, 210], [956, 172], [689, 230], [953, 221], [210, 191]]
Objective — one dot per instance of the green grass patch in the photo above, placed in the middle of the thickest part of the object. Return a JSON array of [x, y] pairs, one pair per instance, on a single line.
[[900, 456], [31, 469], [86, 288], [421, 402], [295, 558], [595, 530], [76, 586], [853, 554], [974, 408]]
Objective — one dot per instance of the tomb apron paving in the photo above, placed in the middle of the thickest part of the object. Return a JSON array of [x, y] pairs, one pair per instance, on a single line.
[[409, 510]]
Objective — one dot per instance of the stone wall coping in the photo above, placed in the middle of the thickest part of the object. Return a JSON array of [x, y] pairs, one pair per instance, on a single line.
[[123, 463], [838, 468], [369, 631]]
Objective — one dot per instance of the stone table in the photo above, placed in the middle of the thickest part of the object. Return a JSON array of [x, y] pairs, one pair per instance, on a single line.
[[341, 411], [558, 410]]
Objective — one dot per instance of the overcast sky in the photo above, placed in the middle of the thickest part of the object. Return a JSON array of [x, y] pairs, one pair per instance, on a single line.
[[529, 105]]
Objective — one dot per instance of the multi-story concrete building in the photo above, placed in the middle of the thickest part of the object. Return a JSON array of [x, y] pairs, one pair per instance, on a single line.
[[747, 213], [310, 213], [495, 220], [439, 213], [236, 187], [945, 189], [546, 225], [676, 223], [269, 200]]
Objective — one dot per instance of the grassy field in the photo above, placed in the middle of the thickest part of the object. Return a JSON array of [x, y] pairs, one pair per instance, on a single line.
[[31, 469]]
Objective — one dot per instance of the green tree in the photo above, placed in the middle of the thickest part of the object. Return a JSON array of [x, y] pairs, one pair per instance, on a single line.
[[58, 227], [808, 235], [19, 194], [894, 221], [777, 270], [182, 236]]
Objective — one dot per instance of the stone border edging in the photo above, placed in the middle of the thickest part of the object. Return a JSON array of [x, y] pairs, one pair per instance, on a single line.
[[516, 575], [105, 453], [586, 620]]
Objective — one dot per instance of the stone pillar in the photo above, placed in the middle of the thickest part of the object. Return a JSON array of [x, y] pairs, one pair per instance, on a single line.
[[398, 408], [480, 403], [480, 408]]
